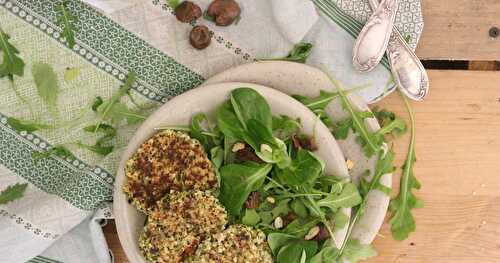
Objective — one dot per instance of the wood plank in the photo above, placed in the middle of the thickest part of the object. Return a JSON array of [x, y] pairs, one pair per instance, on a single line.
[[484, 65], [458, 149], [458, 30]]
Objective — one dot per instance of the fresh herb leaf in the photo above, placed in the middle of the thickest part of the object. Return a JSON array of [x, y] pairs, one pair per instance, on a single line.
[[251, 217], [238, 181], [248, 104], [66, 20], [217, 156], [389, 123], [98, 101], [115, 111], [47, 85], [12, 64], [228, 122], [355, 251], [370, 143], [285, 127], [97, 148], [326, 255], [304, 169], [340, 220], [197, 132], [12, 193], [100, 147], [298, 207], [173, 3], [299, 53], [28, 126], [281, 209], [59, 151], [402, 221], [319, 102], [341, 129], [294, 250], [71, 74], [349, 197], [278, 240]]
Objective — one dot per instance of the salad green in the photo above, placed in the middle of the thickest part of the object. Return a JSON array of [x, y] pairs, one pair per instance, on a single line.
[[272, 181]]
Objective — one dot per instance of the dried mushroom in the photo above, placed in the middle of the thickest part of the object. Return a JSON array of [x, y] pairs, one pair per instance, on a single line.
[[224, 12], [200, 37], [187, 12]]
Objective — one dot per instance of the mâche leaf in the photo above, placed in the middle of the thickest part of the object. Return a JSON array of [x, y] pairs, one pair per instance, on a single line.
[[294, 250], [249, 104], [402, 221], [304, 169], [12, 64], [285, 127], [238, 181], [12, 192], [66, 20], [250, 218], [47, 85]]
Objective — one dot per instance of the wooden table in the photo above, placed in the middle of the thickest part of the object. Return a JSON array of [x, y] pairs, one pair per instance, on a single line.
[[458, 142]]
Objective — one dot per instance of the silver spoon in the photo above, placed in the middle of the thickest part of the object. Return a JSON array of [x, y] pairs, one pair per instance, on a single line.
[[409, 73], [373, 39]]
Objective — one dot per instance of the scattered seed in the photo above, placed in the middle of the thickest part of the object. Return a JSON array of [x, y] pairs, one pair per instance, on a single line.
[[350, 164], [278, 222], [483, 223], [238, 146], [271, 200], [474, 193], [313, 232]]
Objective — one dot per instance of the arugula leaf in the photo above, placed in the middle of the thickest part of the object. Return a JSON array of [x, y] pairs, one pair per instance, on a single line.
[[173, 3], [251, 217], [97, 148], [59, 151], [355, 251], [304, 169], [349, 197], [109, 132], [28, 126], [238, 181], [12, 193], [340, 220], [66, 20], [402, 221], [389, 122], [197, 132], [115, 111], [47, 85], [371, 143], [299, 53], [285, 127], [12, 64], [71, 74], [248, 104], [98, 101], [319, 102]]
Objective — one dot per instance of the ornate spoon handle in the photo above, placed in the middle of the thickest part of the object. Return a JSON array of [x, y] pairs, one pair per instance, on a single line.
[[374, 37], [409, 73]]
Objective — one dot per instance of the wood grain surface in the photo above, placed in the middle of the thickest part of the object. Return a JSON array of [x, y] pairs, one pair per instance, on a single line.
[[458, 156], [458, 30]]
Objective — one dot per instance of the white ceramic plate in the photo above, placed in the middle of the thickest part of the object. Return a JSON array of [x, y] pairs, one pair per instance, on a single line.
[[294, 78], [178, 111]]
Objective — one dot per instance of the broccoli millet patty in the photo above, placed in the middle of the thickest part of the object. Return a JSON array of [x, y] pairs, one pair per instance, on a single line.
[[236, 244], [179, 223], [169, 160]]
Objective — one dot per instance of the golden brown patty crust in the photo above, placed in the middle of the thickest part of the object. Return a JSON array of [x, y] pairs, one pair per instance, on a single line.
[[179, 223], [238, 243], [169, 160]]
